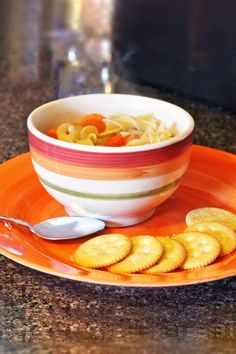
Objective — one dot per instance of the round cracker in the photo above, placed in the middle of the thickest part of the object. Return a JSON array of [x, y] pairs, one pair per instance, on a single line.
[[101, 251], [223, 234], [202, 249], [145, 251], [173, 256], [221, 216]]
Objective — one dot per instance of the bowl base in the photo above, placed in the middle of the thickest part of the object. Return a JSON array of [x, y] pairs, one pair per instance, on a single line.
[[115, 221]]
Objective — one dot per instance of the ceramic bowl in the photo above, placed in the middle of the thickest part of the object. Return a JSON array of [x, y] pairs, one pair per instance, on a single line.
[[120, 185]]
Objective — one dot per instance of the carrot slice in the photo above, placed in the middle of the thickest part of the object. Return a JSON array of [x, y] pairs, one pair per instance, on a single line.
[[52, 133], [115, 140], [95, 120]]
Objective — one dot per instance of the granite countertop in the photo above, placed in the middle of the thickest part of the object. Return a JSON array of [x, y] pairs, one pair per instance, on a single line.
[[40, 313]]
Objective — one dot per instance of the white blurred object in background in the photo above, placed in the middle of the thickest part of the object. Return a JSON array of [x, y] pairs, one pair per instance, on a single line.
[[81, 42]]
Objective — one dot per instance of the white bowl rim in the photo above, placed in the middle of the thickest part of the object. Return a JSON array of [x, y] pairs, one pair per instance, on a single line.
[[105, 149]]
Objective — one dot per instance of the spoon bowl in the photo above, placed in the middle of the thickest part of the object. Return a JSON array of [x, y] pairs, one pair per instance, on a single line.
[[61, 228]]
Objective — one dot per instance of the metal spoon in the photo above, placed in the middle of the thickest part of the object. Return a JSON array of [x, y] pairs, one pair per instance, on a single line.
[[62, 228]]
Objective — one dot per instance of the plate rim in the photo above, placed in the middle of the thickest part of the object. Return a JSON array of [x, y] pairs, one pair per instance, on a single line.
[[77, 278]]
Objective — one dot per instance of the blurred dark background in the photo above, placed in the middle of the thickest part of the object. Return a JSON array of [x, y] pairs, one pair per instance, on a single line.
[[181, 45]]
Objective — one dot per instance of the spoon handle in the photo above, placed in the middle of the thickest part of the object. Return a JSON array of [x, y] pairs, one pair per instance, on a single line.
[[16, 221]]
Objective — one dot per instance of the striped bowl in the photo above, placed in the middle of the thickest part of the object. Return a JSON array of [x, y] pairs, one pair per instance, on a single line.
[[120, 185]]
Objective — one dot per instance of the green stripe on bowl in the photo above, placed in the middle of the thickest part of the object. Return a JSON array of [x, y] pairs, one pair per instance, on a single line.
[[111, 196]]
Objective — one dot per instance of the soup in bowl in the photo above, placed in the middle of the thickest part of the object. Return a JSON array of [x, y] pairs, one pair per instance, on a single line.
[[121, 184]]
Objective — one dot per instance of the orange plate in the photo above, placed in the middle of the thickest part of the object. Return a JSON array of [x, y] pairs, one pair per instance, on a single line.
[[210, 181]]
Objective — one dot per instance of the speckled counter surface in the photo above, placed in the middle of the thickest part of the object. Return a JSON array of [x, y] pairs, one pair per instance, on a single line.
[[40, 313]]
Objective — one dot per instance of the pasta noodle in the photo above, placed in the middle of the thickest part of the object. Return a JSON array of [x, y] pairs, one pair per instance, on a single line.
[[120, 130]]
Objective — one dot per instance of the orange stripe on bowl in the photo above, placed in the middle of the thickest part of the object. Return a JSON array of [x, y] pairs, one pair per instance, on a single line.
[[103, 173]]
